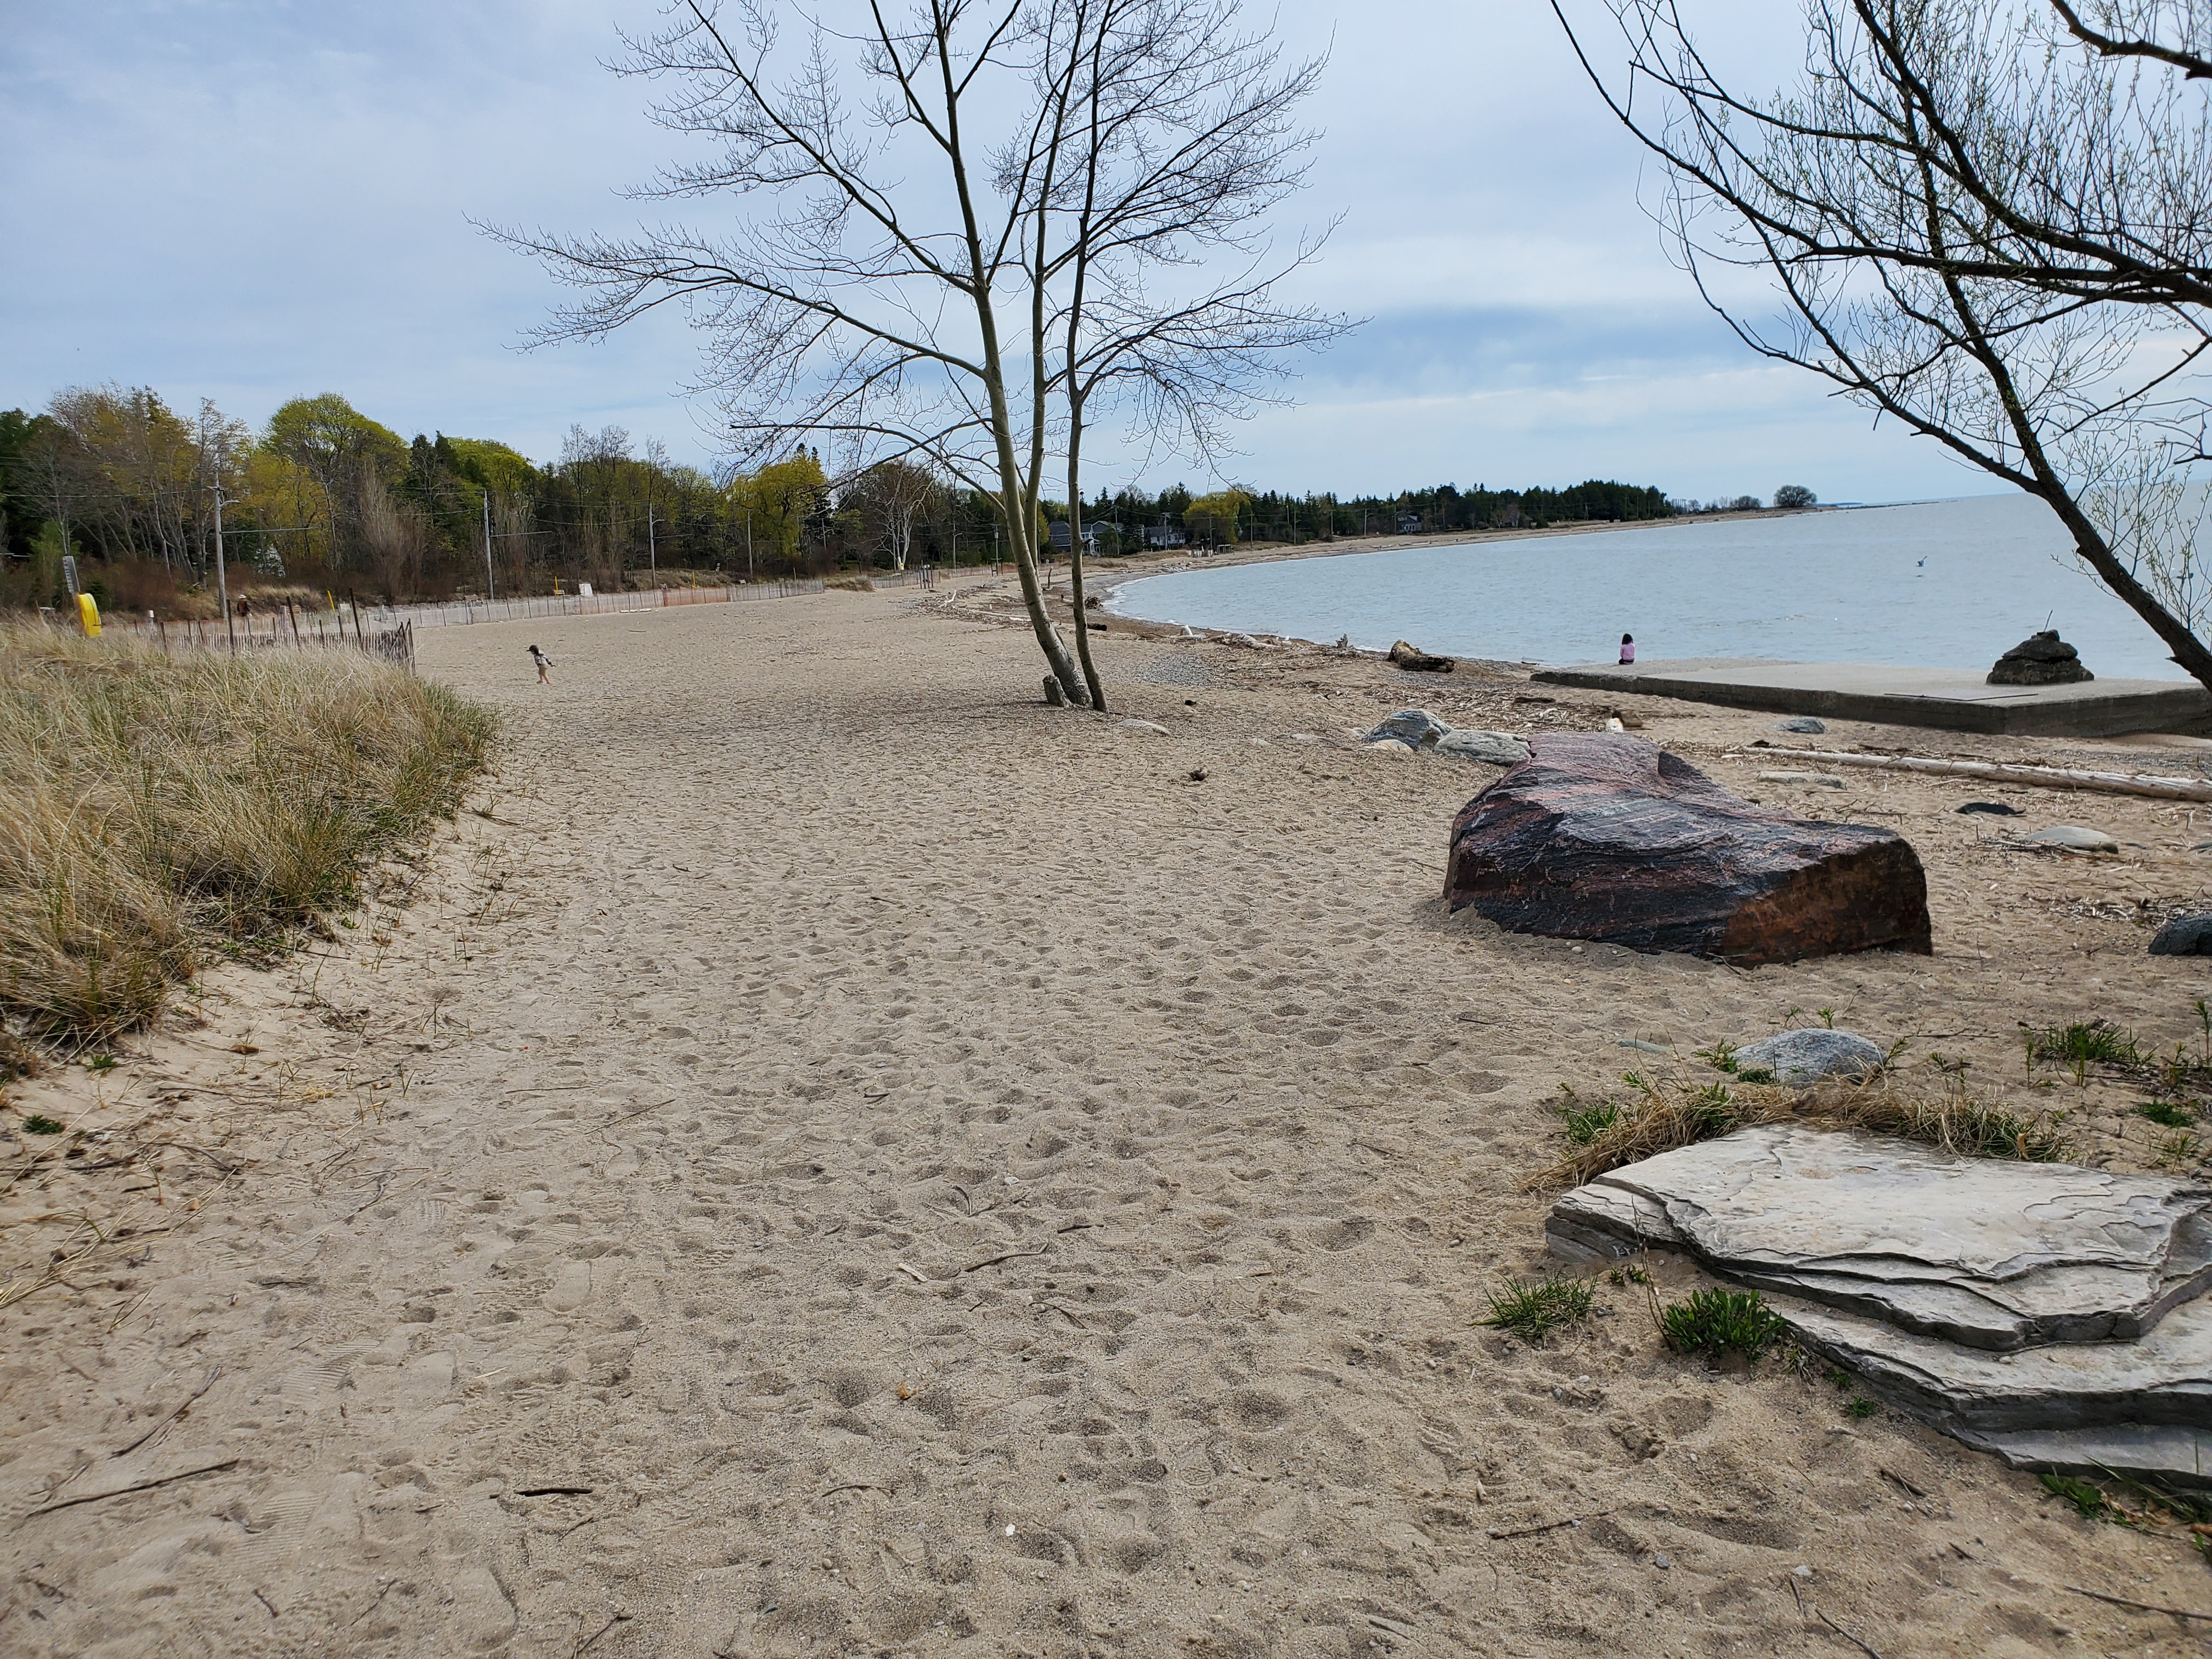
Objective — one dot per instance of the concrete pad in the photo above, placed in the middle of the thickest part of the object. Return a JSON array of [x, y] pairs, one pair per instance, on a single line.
[[1986, 1252], [1953, 700]]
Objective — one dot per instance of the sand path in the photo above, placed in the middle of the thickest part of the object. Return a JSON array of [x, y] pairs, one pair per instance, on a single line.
[[845, 1160]]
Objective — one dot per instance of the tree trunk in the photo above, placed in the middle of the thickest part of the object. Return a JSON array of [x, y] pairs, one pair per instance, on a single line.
[[1090, 676]]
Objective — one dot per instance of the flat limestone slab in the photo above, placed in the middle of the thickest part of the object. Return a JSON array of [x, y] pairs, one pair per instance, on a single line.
[[1988, 1253], [1953, 700], [2149, 1399]]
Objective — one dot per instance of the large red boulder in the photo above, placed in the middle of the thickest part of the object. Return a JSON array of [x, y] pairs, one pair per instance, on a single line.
[[1604, 836]]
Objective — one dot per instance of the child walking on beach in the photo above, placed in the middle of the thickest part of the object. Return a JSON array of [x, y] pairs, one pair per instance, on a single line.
[[1627, 649], [545, 662]]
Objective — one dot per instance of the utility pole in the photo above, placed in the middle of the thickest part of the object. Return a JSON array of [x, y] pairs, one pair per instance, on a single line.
[[489, 591], [222, 574], [652, 560]]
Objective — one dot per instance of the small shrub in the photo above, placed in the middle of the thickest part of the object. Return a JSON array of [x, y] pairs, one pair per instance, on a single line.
[[1837, 1377], [39, 1124], [1718, 1321], [2171, 1113], [101, 1063], [1861, 1407], [1721, 1056], [1532, 1309]]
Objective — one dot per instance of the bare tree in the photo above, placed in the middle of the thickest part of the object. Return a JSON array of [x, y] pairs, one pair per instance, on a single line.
[[891, 496], [1989, 218], [1173, 133], [903, 283]]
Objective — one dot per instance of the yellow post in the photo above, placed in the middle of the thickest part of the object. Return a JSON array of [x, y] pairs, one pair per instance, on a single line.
[[88, 612]]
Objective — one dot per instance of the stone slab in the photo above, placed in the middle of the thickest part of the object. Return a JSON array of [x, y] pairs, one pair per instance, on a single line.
[[1988, 1253], [1952, 700], [2160, 1453], [2162, 1379]]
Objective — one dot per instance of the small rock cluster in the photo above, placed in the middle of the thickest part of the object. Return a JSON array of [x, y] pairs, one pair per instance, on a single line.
[[1412, 731]]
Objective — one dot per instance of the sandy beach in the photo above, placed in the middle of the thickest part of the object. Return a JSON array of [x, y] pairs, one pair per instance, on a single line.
[[830, 1156]]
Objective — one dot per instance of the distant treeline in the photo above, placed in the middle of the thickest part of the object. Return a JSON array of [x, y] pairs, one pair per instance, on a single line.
[[323, 497]]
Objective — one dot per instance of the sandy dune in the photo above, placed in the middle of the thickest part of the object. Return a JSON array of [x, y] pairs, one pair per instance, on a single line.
[[843, 1160]]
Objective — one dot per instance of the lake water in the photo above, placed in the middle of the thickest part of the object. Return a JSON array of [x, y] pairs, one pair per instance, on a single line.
[[1934, 584]]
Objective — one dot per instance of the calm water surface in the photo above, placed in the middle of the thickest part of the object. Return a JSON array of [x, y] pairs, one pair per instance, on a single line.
[[1938, 585]]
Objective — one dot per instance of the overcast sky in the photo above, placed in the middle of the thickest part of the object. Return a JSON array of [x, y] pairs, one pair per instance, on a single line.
[[251, 200]]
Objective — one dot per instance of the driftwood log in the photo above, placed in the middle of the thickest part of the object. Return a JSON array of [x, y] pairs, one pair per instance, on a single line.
[[1604, 836], [2041, 777]]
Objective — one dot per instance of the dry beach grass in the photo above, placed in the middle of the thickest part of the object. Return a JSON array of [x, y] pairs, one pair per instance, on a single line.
[[835, 1157], [153, 803]]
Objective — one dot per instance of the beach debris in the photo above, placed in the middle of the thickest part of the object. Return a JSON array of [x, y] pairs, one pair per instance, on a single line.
[[1416, 728], [1343, 646], [1492, 748], [2185, 936], [1804, 724], [1415, 660], [1613, 723], [1134, 724], [1387, 746], [1995, 808], [2071, 838], [1190, 633], [1817, 779], [2041, 659], [1605, 837], [1246, 643], [1804, 1056], [2049, 1313], [1053, 694]]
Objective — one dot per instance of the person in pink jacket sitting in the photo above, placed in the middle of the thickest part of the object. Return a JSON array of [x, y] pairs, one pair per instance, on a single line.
[[1627, 649]]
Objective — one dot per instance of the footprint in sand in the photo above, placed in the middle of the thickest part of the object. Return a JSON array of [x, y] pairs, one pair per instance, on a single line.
[[572, 1288]]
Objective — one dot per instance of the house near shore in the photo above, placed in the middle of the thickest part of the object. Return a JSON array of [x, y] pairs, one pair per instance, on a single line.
[[1162, 535]]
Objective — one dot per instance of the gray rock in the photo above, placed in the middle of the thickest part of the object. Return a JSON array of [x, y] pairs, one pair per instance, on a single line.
[[1804, 723], [1416, 728], [1803, 1057], [2185, 936], [2072, 838], [2174, 1453], [1492, 748], [1985, 1253], [2135, 1394], [1387, 746]]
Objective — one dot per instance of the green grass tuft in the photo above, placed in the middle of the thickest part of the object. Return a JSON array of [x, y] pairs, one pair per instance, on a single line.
[[1718, 1321], [1532, 1309], [1586, 1123], [39, 1124], [2089, 1503], [1861, 1407], [2099, 1042], [2174, 1114]]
